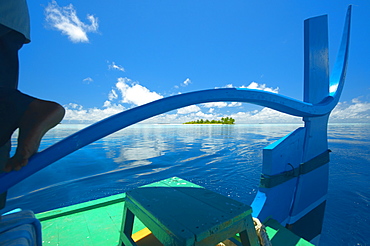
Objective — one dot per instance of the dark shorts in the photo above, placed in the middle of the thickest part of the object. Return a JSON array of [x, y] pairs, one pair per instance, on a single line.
[[10, 43]]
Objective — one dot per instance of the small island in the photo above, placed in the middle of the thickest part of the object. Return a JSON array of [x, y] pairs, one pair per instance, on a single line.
[[225, 121]]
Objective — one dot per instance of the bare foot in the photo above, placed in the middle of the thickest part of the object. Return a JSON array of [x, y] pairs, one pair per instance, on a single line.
[[39, 117]]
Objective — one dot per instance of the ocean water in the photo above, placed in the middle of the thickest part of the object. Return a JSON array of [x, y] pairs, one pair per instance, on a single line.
[[223, 158]]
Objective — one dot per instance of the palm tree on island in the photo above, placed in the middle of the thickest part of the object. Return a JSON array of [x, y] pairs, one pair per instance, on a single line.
[[224, 121]]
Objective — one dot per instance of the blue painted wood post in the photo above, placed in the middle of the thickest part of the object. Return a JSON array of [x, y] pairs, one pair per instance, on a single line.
[[295, 168], [278, 180], [308, 207], [316, 83]]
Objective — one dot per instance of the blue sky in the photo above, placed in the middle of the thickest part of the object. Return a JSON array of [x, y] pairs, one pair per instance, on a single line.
[[98, 58]]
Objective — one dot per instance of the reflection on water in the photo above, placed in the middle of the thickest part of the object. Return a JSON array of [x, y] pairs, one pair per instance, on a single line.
[[208, 154], [223, 158]]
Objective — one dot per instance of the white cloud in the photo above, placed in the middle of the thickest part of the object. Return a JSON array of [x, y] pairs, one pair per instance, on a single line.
[[116, 67], [135, 94], [255, 86], [186, 82], [107, 104], [265, 115], [234, 104], [333, 88], [221, 104], [188, 109], [215, 105], [200, 115], [65, 19], [355, 111], [127, 91], [262, 87], [88, 80], [77, 114], [74, 106], [112, 95]]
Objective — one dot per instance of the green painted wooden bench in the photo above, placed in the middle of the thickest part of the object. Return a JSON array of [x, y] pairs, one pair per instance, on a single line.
[[178, 212]]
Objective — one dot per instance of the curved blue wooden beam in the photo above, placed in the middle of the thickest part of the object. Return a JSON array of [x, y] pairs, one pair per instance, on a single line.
[[338, 74], [132, 116]]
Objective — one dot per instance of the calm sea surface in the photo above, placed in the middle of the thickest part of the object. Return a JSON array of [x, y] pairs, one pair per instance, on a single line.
[[225, 159]]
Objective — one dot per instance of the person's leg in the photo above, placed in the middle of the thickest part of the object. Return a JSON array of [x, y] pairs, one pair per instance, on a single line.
[[4, 156], [39, 117], [32, 116], [10, 43], [13, 105]]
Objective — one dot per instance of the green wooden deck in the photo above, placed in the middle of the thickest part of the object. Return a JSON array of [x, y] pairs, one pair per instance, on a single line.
[[98, 223]]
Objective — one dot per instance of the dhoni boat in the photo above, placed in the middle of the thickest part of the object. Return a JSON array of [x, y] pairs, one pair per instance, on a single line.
[[288, 208]]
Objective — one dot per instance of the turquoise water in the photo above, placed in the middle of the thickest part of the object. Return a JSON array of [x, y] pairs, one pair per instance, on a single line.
[[223, 158]]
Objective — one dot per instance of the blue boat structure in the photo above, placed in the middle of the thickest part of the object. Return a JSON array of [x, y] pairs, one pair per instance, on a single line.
[[291, 198]]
